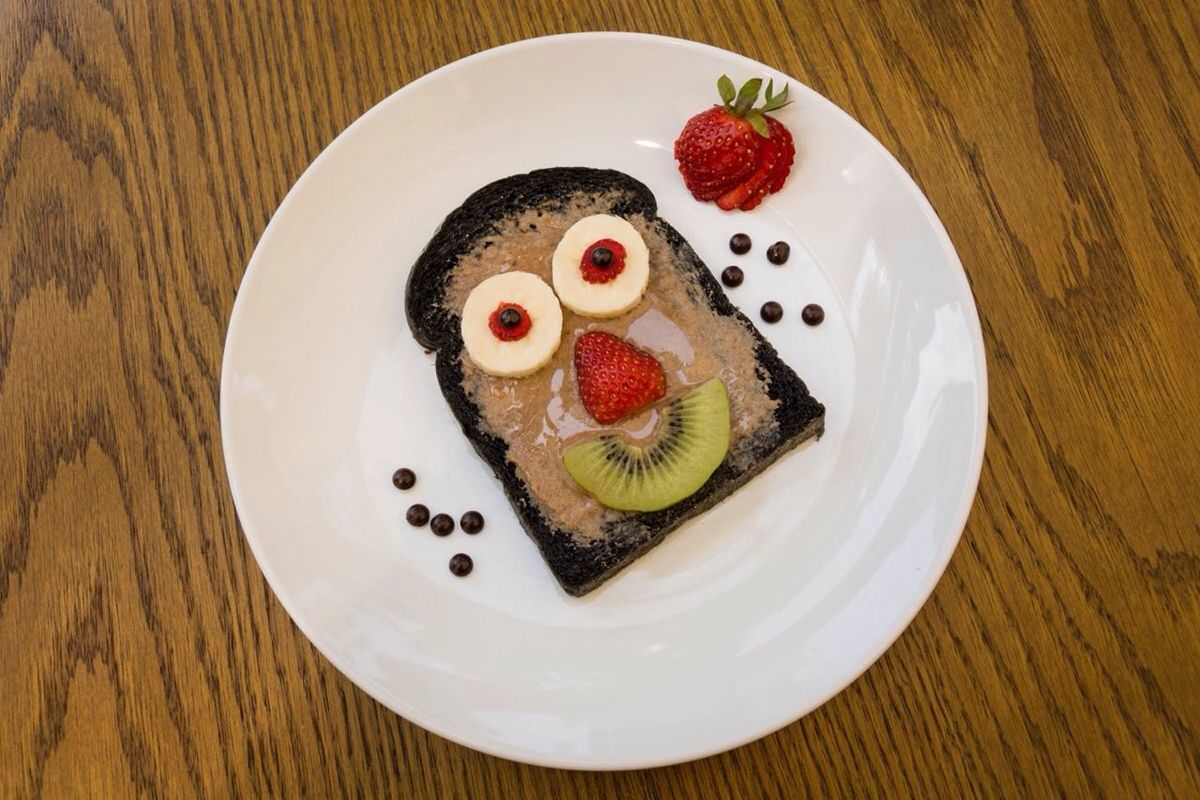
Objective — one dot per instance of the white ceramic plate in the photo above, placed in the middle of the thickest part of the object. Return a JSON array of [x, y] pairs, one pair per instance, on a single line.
[[741, 621]]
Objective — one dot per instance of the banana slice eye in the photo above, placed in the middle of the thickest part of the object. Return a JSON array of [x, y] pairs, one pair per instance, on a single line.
[[601, 267], [511, 324]]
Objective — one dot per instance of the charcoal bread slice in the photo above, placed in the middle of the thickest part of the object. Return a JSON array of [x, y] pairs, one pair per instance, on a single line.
[[581, 565]]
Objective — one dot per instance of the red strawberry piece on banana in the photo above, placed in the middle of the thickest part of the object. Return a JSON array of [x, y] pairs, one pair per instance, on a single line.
[[615, 378]]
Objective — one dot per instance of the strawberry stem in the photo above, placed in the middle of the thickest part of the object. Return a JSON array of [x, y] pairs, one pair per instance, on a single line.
[[741, 103], [747, 96]]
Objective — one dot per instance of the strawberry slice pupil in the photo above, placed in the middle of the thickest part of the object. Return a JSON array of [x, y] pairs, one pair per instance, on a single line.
[[602, 261], [509, 322]]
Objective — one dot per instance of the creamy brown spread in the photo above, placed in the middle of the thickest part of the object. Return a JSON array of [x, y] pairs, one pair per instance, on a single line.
[[540, 415]]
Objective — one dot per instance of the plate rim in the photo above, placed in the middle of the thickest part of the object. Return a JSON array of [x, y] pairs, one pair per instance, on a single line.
[[518, 754]]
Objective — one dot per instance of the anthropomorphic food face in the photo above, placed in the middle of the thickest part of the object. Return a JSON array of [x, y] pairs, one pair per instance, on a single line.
[[512, 328]]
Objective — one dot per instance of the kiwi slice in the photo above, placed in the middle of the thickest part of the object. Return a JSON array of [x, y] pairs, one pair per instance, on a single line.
[[690, 442]]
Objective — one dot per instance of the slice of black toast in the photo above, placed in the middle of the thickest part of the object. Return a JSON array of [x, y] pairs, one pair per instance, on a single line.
[[582, 563]]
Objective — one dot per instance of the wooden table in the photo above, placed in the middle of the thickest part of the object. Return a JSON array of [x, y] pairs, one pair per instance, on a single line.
[[143, 147]]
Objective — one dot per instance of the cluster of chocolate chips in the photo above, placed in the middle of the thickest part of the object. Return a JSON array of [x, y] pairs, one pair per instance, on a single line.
[[777, 254], [441, 524]]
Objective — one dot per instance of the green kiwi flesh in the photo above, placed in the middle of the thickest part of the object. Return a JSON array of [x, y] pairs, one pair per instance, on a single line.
[[689, 443]]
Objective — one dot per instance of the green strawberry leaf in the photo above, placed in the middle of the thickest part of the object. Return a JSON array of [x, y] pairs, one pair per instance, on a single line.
[[747, 96], [725, 87], [759, 123], [778, 101]]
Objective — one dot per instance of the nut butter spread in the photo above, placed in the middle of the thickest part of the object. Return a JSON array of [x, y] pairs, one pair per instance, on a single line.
[[540, 415]]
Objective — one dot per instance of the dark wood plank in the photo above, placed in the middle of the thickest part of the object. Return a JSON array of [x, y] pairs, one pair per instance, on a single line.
[[144, 146]]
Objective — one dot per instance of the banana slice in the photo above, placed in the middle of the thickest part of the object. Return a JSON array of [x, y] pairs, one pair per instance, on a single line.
[[511, 324], [612, 282]]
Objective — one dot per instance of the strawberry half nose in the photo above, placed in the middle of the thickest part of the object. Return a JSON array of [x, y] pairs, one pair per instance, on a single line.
[[615, 378]]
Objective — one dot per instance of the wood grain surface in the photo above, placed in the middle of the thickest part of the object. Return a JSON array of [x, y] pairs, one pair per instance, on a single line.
[[145, 144]]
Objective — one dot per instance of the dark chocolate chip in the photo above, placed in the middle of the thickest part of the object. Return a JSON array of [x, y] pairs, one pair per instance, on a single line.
[[771, 312], [461, 564], [404, 478], [417, 515], [812, 314], [732, 276], [471, 522], [778, 253], [442, 524], [509, 317], [739, 243]]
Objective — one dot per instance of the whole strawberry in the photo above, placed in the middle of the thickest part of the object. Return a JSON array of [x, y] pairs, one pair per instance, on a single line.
[[734, 153], [614, 377]]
